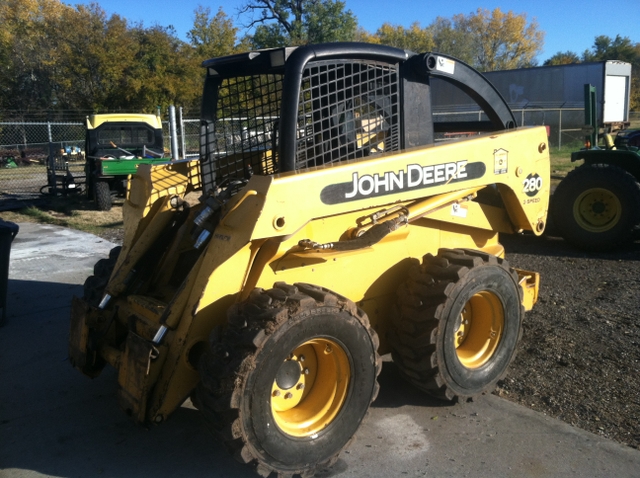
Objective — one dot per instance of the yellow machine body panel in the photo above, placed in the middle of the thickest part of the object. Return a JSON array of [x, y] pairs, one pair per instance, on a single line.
[[94, 121], [257, 241], [492, 159]]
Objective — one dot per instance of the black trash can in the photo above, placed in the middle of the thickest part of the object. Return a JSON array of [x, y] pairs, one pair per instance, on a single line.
[[8, 231]]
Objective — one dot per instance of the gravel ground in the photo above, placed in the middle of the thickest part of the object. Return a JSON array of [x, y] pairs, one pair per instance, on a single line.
[[115, 235], [579, 359]]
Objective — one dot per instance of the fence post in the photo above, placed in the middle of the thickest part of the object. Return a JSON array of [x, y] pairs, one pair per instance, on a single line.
[[51, 159], [183, 144], [560, 129], [175, 154]]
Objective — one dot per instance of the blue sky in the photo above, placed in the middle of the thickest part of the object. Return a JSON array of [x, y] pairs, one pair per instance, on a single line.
[[569, 25]]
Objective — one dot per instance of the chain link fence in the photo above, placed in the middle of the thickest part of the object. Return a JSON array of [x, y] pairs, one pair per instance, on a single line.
[[34, 154], [564, 125], [38, 158], [44, 158], [188, 137]]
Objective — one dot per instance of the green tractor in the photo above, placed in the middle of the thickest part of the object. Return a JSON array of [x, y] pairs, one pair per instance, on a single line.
[[596, 207], [115, 145]]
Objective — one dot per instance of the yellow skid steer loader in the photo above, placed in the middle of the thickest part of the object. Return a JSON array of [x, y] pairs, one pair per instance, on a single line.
[[339, 221]]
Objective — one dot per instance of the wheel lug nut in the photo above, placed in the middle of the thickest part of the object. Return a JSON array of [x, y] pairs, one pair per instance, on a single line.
[[276, 393], [300, 386], [301, 358], [306, 371], [328, 349], [288, 395]]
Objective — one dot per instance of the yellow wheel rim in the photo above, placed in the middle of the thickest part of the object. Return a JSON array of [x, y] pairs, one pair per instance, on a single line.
[[597, 210], [310, 387], [479, 329]]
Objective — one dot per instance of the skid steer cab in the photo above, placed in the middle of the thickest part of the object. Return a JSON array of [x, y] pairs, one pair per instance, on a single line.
[[116, 144], [337, 223]]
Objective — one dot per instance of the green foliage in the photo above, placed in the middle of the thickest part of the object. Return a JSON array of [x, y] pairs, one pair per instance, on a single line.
[[563, 58], [452, 39], [88, 60], [620, 48], [328, 21], [486, 40], [413, 38], [212, 37], [26, 82], [501, 41], [163, 71], [58, 58], [269, 35], [298, 22]]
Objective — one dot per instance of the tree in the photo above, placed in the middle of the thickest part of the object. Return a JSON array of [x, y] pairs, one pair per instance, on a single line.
[[58, 58], [212, 37], [563, 58], [620, 48], [326, 21], [26, 53], [362, 35], [413, 38], [91, 58], [485, 40], [164, 71], [270, 35], [452, 40], [500, 40], [298, 22]]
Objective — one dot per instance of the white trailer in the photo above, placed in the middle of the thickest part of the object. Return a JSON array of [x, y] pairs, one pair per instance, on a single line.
[[550, 87]]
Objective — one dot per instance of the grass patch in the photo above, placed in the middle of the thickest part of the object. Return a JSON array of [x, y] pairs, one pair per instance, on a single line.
[[561, 162], [72, 212]]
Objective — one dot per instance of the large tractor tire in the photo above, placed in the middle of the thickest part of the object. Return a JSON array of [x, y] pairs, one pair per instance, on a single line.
[[290, 380], [460, 318], [95, 284], [596, 207], [94, 288], [102, 194]]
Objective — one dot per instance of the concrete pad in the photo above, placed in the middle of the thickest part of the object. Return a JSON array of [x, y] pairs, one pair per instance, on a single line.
[[56, 422]]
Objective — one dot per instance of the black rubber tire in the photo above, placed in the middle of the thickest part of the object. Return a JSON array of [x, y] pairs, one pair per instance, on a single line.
[[102, 195], [95, 284], [431, 303], [573, 227], [238, 372], [93, 292]]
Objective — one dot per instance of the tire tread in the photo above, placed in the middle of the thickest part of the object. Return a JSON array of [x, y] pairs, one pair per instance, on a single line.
[[224, 368]]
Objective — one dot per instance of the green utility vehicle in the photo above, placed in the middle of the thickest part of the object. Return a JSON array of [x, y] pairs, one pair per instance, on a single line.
[[115, 145]]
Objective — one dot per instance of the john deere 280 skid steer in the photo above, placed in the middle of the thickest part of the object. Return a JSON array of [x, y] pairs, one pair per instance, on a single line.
[[334, 226]]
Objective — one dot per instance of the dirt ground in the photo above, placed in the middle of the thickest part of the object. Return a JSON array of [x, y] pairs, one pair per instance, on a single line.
[[579, 359]]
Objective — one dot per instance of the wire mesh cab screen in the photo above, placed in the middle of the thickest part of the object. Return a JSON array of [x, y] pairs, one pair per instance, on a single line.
[[347, 109], [242, 141]]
